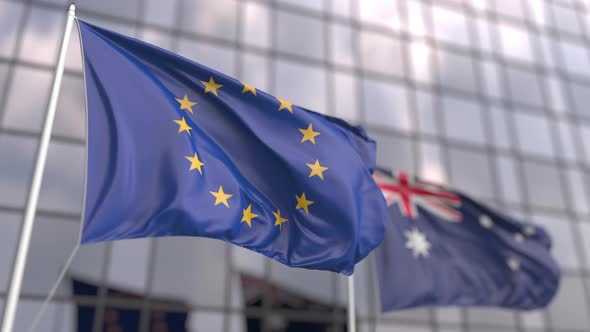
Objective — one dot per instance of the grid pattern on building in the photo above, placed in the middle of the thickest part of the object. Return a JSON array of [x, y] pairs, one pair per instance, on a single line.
[[489, 96]]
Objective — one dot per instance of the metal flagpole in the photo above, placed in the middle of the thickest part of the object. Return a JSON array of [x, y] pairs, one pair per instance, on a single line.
[[33, 198], [351, 305]]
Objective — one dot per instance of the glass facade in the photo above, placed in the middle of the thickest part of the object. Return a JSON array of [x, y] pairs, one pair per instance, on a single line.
[[488, 96]]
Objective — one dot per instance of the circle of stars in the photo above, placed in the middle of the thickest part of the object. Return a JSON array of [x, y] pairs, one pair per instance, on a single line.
[[309, 136]]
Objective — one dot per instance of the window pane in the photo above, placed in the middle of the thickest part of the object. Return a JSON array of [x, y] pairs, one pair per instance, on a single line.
[[515, 43], [310, 4], [569, 309], [16, 166], [427, 120], [581, 98], [450, 26], [345, 97], [10, 15], [533, 134], [395, 153], [510, 8], [255, 70], [160, 12], [431, 163], [568, 148], [156, 37], [484, 41], [302, 85], [341, 7], [578, 192], [63, 182], [463, 120], [566, 20], [381, 54], [556, 94], [500, 128], [509, 184], [211, 18], [42, 33], [52, 242], [543, 185], [386, 105], [491, 317], [129, 264], [470, 172], [576, 59], [125, 9], [215, 57], [384, 13], [416, 18], [10, 225], [524, 87], [71, 108], [300, 35], [491, 79], [420, 56], [561, 232], [180, 274], [456, 71], [341, 47], [27, 99], [255, 27]]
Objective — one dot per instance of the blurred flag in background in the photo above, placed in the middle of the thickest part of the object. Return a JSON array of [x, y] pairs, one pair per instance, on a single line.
[[443, 248]]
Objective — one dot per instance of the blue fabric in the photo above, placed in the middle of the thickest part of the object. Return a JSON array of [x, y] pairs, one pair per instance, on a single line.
[[472, 255], [139, 183]]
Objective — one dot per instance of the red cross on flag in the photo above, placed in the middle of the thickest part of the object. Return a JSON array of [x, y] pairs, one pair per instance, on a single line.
[[411, 193]]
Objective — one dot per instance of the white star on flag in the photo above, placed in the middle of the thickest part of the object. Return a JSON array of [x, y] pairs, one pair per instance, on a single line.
[[417, 242], [485, 221], [514, 264], [529, 231]]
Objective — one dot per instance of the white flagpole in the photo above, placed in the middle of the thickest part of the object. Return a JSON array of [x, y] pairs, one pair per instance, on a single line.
[[351, 305], [33, 197]]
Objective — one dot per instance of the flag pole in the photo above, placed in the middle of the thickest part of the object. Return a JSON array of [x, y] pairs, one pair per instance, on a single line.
[[351, 305], [33, 197]]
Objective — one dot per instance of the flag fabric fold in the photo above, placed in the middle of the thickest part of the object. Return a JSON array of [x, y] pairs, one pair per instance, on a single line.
[[178, 149], [443, 248]]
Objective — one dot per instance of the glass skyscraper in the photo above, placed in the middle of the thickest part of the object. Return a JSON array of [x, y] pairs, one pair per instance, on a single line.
[[488, 96]]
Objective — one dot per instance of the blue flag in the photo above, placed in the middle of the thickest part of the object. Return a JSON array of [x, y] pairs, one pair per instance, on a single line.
[[443, 248], [178, 149]]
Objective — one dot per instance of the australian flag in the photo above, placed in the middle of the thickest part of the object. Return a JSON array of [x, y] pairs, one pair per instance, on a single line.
[[443, 248], [178, 149]]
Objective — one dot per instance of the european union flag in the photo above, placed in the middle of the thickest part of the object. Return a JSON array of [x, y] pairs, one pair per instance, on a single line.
[[175, 148], [443, 248]]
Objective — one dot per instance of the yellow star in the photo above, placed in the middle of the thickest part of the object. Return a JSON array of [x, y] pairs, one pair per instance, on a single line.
[[211, 86], [186, 104], [221, 197], [308, 134], [303, 203], [248, 87], [195, 163], [247, 215], [317, 169], [285, 105], [279, 221], [182, 126]]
